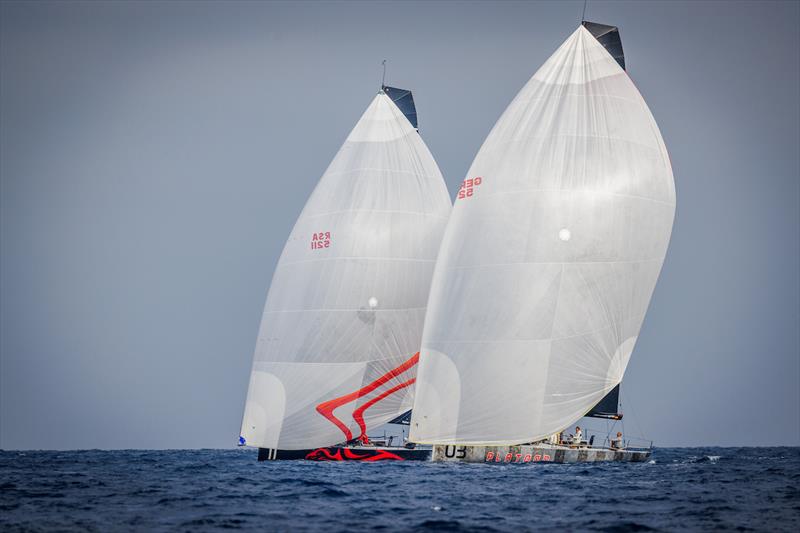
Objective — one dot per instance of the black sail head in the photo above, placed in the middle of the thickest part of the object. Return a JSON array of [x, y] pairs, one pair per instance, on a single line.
[[608, 36], [404, 100]]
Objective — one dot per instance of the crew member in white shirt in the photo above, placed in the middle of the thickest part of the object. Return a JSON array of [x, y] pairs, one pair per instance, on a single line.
[[578, 437]]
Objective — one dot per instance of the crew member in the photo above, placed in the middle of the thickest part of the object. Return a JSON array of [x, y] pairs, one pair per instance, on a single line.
[[578, 437], [616, 444]]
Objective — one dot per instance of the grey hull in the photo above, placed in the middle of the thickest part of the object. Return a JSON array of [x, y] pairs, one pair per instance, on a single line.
[[540, 453]]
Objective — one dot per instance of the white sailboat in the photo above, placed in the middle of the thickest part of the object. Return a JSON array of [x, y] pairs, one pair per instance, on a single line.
[[338, 345], [547, 265]]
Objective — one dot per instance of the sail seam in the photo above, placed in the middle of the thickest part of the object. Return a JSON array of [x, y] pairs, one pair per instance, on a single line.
[[550, 339], [365, 362], [344, 310], [591, 191], [316, 260], [393, 171], [557, 135], [416, 213], [534, 99], [483, 265]]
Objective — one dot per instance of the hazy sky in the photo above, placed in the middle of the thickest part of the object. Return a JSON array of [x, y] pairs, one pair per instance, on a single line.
[[154, 158]]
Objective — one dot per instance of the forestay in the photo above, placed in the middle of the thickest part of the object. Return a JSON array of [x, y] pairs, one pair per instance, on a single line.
[[339, 339], [549, 260]]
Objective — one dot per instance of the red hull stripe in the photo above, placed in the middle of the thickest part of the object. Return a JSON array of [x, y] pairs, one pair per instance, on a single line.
[[344, 454], [326, 408]]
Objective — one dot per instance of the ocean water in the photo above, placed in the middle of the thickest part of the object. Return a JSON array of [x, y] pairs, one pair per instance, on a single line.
[[198, 490]]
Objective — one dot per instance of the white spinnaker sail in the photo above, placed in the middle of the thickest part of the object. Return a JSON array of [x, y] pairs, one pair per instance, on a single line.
[[549, 260], [337, 347]]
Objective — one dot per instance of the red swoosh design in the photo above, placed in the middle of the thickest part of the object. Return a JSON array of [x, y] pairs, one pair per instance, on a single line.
[[326, 408], [345, 454]]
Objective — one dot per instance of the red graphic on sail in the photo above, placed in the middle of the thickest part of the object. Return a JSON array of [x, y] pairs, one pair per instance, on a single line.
[[326, 408], [358, 414]]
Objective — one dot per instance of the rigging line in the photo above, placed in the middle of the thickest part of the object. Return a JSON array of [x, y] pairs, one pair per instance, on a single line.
[[635, 418], [583, 16]]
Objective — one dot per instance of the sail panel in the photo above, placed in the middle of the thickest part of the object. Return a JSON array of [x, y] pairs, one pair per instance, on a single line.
[[549, 260], [336, 353]]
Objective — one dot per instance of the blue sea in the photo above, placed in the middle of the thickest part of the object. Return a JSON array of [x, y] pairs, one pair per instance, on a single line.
[[204, 490]]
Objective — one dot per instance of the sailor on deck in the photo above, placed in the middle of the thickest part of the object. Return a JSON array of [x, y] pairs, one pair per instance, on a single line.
[[578, 437], [616, 444]]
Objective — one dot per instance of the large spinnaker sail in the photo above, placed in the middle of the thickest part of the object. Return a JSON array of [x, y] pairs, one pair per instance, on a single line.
[[339, 339], [549, 260]]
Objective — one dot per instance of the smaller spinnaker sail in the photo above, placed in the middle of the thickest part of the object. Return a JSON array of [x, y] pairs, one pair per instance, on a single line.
[[338, 344], [550, 257]]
